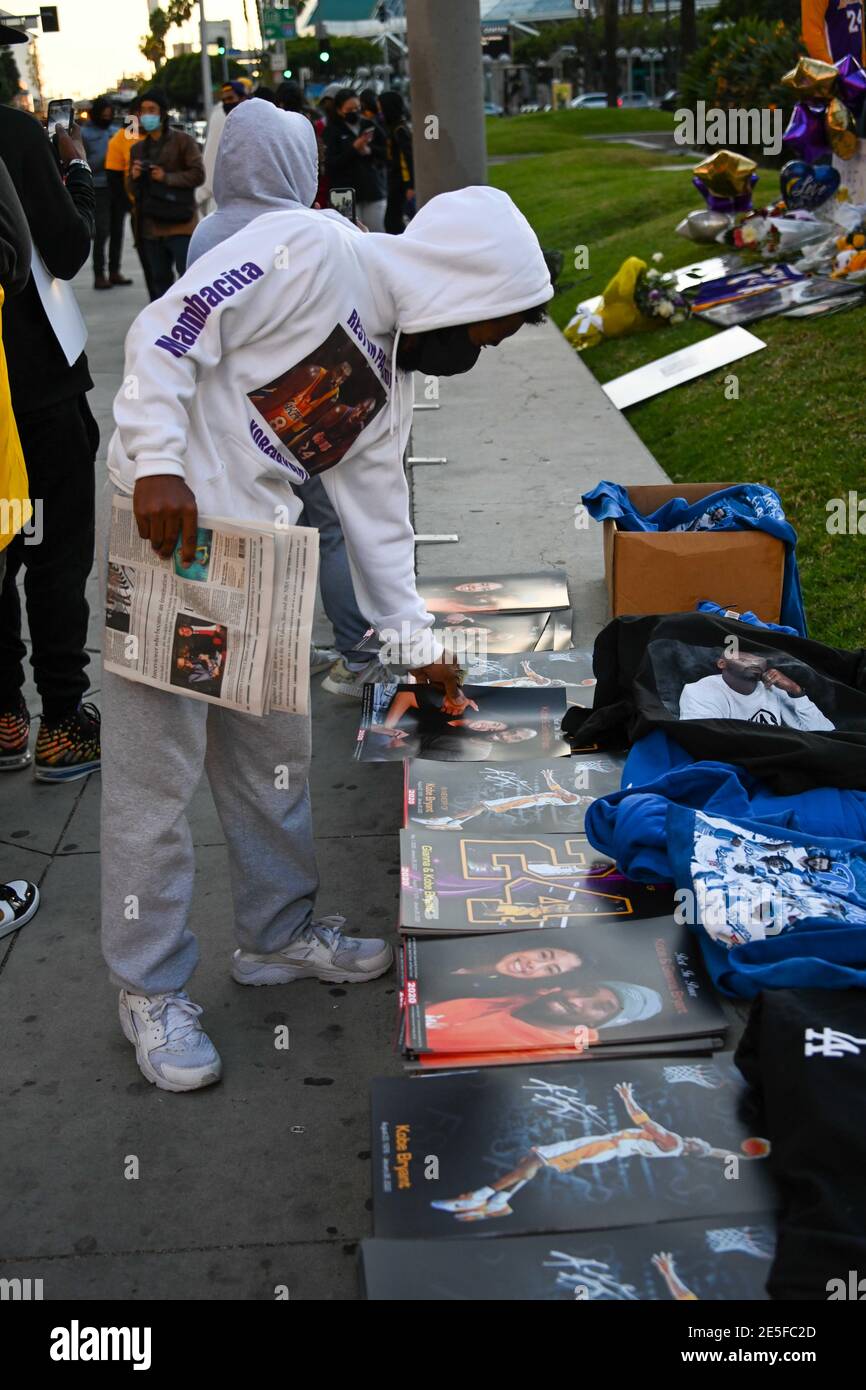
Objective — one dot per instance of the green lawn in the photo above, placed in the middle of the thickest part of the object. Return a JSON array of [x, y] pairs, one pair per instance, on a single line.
[[545, 131], [799, 424]]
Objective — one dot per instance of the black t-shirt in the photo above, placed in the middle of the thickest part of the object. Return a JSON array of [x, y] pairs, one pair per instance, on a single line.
[[804, 1052]]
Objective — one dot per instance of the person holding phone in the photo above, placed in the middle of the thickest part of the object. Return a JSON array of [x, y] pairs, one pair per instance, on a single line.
[[356, 157], [59, 438], [165, 169]]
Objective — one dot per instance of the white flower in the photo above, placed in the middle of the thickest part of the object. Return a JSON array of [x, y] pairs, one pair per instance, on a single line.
[[665, 309], [658, 255]]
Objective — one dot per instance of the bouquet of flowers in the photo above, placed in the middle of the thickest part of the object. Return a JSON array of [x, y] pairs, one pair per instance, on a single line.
[[637, 298], [657, 297]]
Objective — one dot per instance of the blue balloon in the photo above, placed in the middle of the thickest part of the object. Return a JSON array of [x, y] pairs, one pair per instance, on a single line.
[[808, 185]]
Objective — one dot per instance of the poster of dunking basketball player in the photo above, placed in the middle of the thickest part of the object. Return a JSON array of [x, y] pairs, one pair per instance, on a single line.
[[673, 1261], [318, 408], [456, 882], [563, 1147], [550, 794], [542, 669]]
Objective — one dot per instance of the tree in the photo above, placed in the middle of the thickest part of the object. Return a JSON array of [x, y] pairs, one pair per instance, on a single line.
[[611, 42], [180, 78], [161, 20], [10, 77], [347, 54]]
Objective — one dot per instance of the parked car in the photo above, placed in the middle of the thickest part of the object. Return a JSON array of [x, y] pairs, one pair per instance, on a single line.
[[630, 101], [491, 109], [590, 101]]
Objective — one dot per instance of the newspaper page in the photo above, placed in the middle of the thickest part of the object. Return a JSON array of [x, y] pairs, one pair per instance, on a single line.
[[297, 549], [202, 630]]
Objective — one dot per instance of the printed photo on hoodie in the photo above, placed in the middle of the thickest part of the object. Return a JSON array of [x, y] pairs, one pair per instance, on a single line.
[[319, 407], [755, 684]]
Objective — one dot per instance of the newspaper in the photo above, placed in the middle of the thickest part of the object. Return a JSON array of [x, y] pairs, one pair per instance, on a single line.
[[233, 627]]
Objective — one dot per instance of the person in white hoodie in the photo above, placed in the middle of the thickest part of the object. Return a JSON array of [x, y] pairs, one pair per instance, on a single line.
[[232, 368]]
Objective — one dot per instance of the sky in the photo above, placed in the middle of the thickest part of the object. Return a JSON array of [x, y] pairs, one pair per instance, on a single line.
[[98, 41]]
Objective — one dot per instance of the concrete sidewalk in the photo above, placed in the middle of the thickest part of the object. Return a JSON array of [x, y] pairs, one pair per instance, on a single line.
[[263, 1180]]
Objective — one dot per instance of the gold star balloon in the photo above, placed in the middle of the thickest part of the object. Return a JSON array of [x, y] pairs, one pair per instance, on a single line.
[[726, 174], [811, 79], [839, 125]]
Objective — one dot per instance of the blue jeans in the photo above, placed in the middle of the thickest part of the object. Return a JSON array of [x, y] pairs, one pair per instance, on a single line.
[[335, 577]]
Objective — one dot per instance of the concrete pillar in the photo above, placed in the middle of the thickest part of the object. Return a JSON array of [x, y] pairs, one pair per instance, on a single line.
[[207, 96], [450, 142]]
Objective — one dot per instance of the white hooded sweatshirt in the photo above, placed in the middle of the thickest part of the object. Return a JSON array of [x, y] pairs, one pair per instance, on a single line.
[[248, 369]]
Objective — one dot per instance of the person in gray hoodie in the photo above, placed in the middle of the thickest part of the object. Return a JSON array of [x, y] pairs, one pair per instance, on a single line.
[[268, 161]]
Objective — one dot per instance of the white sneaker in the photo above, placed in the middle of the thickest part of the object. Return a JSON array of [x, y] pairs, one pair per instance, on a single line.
[[172, 1049], [342, 680], [470, 1202], [322, 952]]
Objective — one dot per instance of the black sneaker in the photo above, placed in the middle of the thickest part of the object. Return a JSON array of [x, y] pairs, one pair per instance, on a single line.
[[14, 737], [68, 749]]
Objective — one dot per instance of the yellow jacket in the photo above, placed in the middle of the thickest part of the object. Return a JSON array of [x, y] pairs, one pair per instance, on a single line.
[[15, 508]]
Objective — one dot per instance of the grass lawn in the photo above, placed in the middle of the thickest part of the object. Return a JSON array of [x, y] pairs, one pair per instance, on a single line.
[[545, 131], [799, 424]]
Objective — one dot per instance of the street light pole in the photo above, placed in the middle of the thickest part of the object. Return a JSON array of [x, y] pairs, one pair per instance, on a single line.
[[449, 139], [207, 94]]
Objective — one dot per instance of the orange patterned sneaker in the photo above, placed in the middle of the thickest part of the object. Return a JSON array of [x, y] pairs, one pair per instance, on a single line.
[[14, 737], [68, 749]]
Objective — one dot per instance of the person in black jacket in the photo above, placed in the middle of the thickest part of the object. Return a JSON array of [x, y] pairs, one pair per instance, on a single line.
[[59, 438], [19, 898], [401, 166], [355, 157]]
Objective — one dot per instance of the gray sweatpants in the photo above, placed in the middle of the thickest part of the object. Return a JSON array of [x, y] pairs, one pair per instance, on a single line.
[[155, 746]]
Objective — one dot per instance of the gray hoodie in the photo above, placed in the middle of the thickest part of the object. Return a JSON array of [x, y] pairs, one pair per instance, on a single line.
[[267, 161]]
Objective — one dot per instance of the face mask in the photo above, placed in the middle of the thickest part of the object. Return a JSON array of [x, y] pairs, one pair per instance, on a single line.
[[441, 352], [353, 121], [150, 123], [229, 106]]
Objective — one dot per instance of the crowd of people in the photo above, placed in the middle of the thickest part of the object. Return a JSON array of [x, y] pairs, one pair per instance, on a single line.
[[398, 300]]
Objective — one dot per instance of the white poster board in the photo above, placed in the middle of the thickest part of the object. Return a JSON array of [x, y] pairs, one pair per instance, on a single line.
[[681, 366], [61, 308]]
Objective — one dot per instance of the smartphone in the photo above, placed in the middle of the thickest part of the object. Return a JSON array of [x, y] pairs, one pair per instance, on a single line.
[[343, 200], [60, 113]]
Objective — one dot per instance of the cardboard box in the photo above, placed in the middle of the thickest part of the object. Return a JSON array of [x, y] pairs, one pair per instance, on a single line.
[[671, 571]]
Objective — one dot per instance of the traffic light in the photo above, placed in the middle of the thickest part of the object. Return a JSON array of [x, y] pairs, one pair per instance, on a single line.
[[221, 45], [324, 43], [287, 72], [50, 22]]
